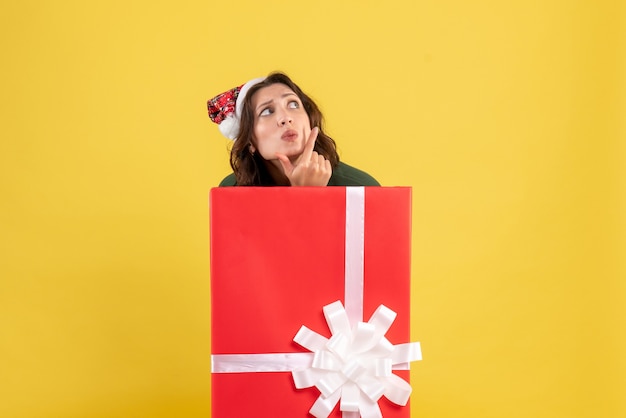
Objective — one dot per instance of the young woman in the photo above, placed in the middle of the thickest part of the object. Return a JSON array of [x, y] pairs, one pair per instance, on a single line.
[[279, 138]]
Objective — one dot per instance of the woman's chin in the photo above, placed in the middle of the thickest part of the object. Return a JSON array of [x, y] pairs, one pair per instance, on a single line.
[[292, 154]]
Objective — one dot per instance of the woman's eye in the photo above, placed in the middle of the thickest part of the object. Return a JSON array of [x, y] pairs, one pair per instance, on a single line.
[[265, 112], [293, 104]]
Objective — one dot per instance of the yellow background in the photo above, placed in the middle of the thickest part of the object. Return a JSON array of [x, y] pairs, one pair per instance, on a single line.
[[506, 118]]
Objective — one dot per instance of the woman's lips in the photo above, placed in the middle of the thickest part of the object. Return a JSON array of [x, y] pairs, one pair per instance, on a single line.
[[289, 135]]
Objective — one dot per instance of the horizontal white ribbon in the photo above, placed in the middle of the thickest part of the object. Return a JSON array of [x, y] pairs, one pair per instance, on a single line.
[[272, 362]]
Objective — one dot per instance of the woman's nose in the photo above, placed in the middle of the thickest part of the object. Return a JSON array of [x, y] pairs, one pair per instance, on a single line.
[[284, 118]]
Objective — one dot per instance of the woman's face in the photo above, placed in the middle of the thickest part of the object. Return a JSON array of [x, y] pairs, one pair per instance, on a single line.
[[281, 125]]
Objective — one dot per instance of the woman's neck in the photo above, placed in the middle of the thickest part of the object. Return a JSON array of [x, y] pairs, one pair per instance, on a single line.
[[275, 169]]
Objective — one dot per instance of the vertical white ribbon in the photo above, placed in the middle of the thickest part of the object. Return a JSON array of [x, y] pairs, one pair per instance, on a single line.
[[355, 238]]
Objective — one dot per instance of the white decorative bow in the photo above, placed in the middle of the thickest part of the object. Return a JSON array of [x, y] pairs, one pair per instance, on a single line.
[[355, 364]]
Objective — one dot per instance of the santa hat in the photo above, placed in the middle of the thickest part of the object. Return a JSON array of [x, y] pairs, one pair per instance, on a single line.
[[225, 108]]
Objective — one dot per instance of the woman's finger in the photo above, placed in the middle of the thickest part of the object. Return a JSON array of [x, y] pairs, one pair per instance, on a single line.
[[310, 144], [314, 157], [284, 161]]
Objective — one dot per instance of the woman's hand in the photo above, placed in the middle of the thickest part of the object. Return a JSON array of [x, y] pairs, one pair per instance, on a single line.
[[310, 168]]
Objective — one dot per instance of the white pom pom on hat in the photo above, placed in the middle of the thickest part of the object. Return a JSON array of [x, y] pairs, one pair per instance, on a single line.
[[225, 109], [229, 127]]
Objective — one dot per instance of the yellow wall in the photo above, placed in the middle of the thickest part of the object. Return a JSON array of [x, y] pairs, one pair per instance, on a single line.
[[506, 118]]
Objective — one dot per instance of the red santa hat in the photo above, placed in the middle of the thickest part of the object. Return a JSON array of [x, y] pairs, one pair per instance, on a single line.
[[225, 108]]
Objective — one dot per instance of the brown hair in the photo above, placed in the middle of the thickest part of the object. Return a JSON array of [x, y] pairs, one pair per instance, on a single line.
[[250, 169]]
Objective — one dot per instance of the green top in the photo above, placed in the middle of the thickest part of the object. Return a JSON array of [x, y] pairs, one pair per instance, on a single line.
[[343, 175]]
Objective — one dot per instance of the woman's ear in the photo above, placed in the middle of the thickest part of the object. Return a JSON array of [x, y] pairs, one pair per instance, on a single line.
[[251, 149]]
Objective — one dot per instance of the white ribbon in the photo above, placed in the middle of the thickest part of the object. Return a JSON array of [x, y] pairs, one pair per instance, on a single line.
[[355, 238], [353, 367], [271, 362]]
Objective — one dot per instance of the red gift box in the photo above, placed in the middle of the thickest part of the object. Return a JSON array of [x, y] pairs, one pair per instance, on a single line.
[[278, 256]]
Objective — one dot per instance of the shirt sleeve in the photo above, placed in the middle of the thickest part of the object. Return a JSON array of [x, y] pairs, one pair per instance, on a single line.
[[229, 180], [346, 175]]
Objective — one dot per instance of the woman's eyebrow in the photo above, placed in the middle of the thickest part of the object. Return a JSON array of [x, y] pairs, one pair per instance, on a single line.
[[264, 103], [271, 100]]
